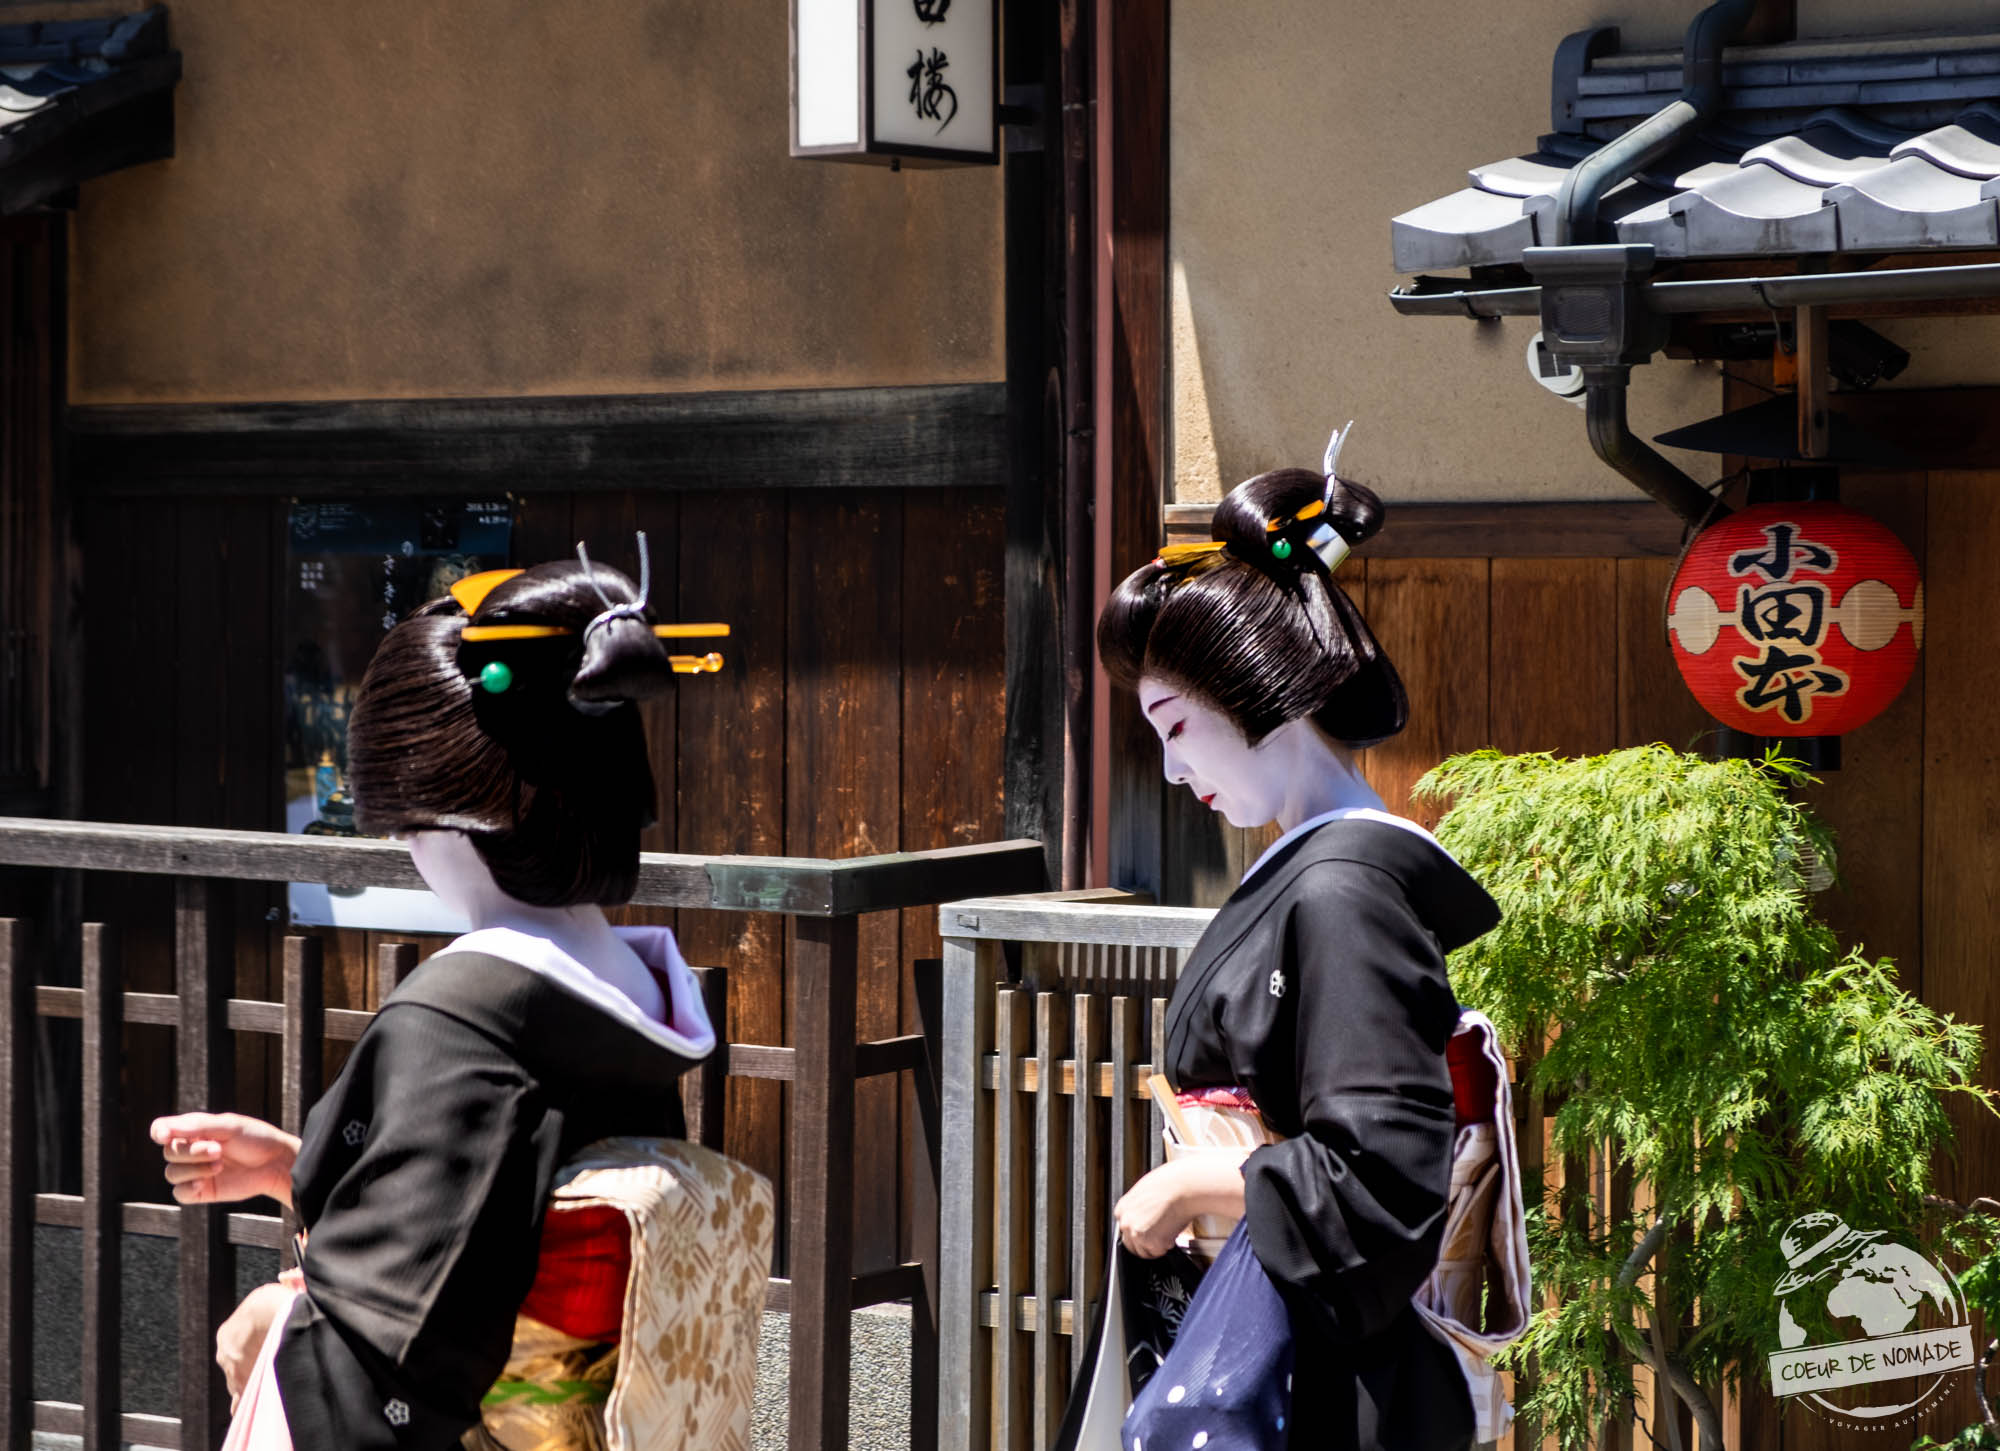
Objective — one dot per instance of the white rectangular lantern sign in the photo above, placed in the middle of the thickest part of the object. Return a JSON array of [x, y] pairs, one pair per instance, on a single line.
[[896, 80]]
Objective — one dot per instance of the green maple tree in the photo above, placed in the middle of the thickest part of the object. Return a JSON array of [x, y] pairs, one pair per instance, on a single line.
[[1707, 1038]]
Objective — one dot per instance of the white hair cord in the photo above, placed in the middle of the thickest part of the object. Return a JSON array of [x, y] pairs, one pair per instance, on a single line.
[[612, 610]]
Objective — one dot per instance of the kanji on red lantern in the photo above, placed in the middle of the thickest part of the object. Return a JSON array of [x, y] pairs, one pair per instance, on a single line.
[[1796, 619]]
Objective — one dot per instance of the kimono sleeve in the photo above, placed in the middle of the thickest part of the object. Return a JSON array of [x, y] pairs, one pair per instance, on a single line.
[[1347, 1216], [421, 1182]]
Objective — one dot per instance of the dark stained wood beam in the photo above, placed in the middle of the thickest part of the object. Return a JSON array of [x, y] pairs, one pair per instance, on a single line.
[[1128, 819], [934, 436]]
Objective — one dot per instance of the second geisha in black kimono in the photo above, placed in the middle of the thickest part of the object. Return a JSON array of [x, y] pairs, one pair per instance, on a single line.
[[1319, 992], [1320, 988]]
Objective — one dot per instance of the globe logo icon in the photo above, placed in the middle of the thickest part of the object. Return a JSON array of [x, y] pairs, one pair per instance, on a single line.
[[1873, 1293]]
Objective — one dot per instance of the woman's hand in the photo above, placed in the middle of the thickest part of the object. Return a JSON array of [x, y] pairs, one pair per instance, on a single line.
[[242, 1334], [1155, 1210], [215, 1158]]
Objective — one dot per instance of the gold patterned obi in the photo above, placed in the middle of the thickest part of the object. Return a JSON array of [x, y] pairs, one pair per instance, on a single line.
[[685, 1367]]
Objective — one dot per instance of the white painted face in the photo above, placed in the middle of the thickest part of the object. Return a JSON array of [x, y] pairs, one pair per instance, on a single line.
[[1204, 751]]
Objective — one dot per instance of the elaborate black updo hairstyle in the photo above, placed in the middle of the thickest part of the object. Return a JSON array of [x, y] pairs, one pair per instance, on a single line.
[[1259, 628], [547, 773]]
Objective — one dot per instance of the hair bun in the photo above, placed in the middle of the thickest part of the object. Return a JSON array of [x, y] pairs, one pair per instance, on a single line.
[[1354, 511], [622, 660], [606, 647], [1261, 519]]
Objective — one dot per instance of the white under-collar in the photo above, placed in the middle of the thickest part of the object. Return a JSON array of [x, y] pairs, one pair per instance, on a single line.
[[1339, 813], [687, 1030]]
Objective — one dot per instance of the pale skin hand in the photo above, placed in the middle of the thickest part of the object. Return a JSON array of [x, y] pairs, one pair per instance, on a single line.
[[1164, 1202], [217, 1158], [242, 1334]]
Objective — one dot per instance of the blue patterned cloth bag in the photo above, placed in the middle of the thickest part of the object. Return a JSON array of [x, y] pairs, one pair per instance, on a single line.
[[1226, 1385]]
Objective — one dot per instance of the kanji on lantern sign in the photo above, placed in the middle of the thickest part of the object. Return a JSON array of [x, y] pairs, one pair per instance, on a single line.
[[1787, 552], [1796, 619], [1787, 681]]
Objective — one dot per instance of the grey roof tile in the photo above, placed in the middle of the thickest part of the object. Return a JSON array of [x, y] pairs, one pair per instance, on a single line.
[[1755, 211], [1867, 145], [1829, 149], [1969, 146], [1912, 203], [1521, 175], [1469, 228]]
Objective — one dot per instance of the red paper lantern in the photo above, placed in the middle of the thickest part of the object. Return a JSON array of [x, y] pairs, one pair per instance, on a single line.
[[1796, 619]]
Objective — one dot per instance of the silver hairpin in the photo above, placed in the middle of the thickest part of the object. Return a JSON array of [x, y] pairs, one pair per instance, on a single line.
[[1332, 459], [612, 609], [1324, 540]]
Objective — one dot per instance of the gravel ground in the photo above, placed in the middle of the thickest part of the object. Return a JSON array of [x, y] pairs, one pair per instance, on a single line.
[[879, 1393]]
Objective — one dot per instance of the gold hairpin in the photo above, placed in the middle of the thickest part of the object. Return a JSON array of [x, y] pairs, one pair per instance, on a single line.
[[1310, 511], [474, 634], [1178, 554]]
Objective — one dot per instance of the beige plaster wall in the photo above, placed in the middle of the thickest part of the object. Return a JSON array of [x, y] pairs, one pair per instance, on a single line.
[[1299, 128], [462, 197]]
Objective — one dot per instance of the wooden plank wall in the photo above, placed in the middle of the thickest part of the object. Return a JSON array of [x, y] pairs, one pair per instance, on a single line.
[[1523, 654], [861, 711]]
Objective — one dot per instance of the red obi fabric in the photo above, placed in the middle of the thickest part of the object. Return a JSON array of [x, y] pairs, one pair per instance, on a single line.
[[580, 1278], [1473, 1081]]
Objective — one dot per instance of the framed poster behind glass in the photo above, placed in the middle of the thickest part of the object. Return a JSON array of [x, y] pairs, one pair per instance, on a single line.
[[353, 568]]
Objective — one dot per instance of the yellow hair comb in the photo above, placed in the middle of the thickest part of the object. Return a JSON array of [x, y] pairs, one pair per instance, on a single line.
[[1175, 555]]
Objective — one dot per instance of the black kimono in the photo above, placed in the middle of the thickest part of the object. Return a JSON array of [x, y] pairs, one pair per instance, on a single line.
[[423, 1179], [1320, 987]]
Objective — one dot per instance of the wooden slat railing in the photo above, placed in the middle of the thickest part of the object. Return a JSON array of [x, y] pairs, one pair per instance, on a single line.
[[822, 1062], [1046, 1122]]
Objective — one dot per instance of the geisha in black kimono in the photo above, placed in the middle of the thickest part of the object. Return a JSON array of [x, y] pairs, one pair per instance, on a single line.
[[496, 731], [1319, 990]]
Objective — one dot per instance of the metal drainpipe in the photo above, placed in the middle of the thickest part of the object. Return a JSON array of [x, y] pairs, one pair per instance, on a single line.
[[1584, 188], [1632, 456], [1583, 191]]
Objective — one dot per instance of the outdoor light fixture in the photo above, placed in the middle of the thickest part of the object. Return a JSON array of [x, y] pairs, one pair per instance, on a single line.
[[896, 81]]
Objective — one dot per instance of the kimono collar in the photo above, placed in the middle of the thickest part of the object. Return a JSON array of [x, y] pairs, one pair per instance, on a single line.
[[1339, 813], [687, 1030]]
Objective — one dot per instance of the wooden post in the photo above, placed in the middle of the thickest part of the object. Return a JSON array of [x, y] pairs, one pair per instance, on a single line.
[[927, 975], [1156, 1123], [103, 1227], [704, 1090], [1089, 1227], [17, 1184], [394, 961], [1013, 1390], [203, 972], [1035, 644], [1127, 1139], [1053, 1224], [1131, 349], [973, 971], [1815, 381], [304, 1061], [824, 964]]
